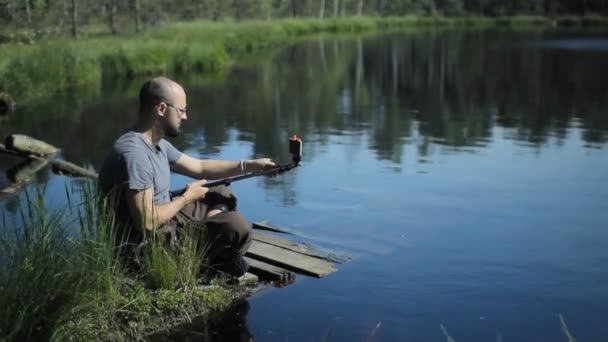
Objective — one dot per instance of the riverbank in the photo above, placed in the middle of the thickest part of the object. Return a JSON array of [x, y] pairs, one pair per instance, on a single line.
[[30, 71], [61, 277]]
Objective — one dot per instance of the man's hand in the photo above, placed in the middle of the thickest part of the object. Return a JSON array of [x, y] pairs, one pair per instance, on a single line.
[[258, 165], [195, 191]]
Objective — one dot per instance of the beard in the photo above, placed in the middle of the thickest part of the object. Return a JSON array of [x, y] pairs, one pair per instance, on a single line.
[[171, 131]]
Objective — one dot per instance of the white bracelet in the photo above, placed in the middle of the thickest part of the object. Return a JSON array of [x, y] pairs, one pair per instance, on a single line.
[[242, 166]]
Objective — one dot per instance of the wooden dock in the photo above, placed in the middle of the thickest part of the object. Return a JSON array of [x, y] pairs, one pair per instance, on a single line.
[[273, 257]]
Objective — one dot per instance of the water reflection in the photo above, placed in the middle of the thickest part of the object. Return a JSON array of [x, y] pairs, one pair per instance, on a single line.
[[491, 238], [229, 327], [444, 88]]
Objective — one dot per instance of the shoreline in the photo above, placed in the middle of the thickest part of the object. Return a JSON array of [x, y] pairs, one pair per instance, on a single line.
[[204, 47]]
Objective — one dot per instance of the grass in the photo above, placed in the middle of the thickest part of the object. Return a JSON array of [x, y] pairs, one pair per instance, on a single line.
[[30, 71], [62, 278]]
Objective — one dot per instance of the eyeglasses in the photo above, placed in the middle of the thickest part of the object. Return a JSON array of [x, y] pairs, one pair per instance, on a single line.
[[182, 111]]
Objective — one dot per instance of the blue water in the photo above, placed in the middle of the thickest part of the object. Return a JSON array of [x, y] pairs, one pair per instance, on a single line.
[[463, 172], [480, 243]]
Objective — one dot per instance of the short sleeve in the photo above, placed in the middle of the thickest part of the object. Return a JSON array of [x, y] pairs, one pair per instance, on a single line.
[[173, 153], [139, 171]]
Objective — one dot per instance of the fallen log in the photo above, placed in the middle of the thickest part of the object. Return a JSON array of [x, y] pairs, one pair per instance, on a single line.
[[26, 170], [28, 145], [5, 150], [60, 167], [22, 174]]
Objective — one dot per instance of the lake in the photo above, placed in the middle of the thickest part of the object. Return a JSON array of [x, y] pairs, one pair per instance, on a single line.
[[465, 173]]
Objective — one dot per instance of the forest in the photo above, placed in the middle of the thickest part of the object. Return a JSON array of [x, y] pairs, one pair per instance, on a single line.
[[49, 17]]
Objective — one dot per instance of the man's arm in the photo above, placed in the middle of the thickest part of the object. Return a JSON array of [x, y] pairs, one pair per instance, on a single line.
[[148, 215], [217, 169]]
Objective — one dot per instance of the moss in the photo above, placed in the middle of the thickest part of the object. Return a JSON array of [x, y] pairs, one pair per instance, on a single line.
[[215, 298]]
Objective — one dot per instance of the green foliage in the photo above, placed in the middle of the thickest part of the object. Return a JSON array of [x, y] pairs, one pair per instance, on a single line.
[[33, 71], [46, 68], [522, 20], [63, 278], [35, 277]]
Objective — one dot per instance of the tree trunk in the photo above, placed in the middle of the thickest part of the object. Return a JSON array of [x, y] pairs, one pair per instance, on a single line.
[[322, 10], [217, 13], [11, 14], [201, 9], [28, 11], [322, 54], [382, 7], [584, 7], [74, 19], [336, 2], [66, 14], [112, 9], [236, 5], [293, 8], [359, 72], [29, 146], [342, 7], [395, 62], [137, 17], [360, 8]]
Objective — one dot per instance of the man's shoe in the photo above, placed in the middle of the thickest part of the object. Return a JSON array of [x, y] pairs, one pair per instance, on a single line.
[[234, 267], [237, 267]]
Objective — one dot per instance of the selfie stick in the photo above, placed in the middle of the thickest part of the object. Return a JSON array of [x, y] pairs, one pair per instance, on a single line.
[[295, 149]]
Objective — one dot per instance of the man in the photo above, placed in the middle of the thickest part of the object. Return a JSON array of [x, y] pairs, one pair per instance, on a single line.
[[138, 168]]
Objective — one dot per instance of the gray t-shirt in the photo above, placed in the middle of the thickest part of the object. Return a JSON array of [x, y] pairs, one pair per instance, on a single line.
[[136, 164]]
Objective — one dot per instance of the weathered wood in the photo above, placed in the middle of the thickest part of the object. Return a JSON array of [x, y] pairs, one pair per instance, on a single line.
[[22, 174], [294, 246], [26, 144], [26, 170], [289, 259], [270, 272], [10, 190], [265, 225], [63, 167], [5, 150], [60, 167]]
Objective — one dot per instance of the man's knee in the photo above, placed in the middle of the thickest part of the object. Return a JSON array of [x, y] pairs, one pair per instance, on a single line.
[[238, 225], [232, 228]]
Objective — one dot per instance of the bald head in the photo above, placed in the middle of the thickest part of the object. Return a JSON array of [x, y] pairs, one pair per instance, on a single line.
[[156, 90]]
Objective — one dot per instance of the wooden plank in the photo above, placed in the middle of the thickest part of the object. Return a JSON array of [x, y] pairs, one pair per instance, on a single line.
[[289, 259], [265, 225], [270, 272], [298, 247]]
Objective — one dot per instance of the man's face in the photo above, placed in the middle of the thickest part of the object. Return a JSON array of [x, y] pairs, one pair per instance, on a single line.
[[174, 114]]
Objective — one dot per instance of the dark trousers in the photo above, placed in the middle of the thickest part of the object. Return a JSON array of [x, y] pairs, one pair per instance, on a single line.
[[227, 234]]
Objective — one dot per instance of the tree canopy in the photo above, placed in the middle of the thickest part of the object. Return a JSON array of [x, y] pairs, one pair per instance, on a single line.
[[136, 15]]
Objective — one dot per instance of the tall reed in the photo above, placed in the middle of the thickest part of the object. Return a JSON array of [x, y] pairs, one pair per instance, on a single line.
[[63, 277]]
